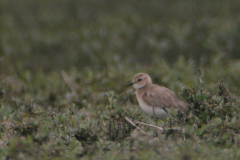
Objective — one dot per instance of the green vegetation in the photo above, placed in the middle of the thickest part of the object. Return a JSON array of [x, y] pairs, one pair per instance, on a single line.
[[64, 66]]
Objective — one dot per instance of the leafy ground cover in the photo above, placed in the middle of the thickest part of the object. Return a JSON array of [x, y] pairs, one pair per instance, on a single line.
[[78, 114], [64, 66]]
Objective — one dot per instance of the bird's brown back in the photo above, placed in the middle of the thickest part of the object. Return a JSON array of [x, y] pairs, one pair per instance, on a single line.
[[155, 95]]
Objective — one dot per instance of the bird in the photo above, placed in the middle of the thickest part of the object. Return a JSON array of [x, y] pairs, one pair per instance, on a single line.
[[155, 100]]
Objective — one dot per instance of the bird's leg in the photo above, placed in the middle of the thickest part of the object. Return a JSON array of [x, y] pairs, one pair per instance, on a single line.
[[165, 110], [153, 112], [155, 134], [170, 122], [154, 115]]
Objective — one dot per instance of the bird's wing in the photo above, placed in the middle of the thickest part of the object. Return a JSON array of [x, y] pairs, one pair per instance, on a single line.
[[162, 97]]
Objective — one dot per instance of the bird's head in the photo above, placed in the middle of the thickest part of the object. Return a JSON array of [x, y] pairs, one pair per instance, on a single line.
[[140, 80]]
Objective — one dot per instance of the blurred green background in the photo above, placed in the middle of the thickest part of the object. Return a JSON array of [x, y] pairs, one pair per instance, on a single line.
[[61, 34], [102, 44]]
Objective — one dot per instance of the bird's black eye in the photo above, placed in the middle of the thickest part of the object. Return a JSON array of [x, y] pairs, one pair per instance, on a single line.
[[139, 80]]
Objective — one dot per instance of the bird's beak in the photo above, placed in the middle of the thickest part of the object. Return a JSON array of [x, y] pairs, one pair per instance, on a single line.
[[130, 84]]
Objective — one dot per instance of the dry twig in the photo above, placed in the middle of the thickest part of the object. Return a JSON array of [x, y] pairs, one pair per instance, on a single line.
[[131, 122]]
